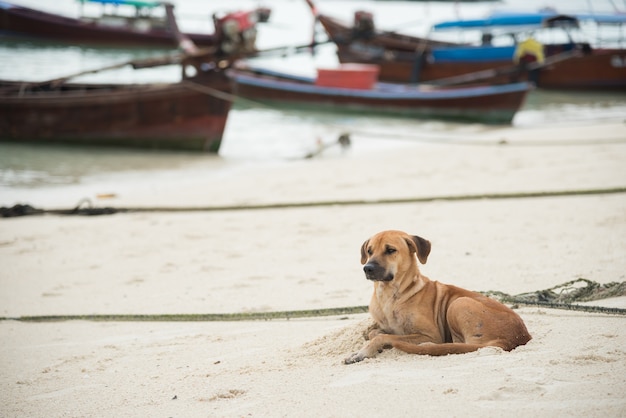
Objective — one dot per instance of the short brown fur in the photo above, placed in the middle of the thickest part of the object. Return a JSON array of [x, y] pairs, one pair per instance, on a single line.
[[420, 316]]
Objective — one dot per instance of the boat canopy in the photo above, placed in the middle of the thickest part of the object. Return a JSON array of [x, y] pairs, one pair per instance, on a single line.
[[536, 20], [609, 19], [541, 19], [136, 3], [490, 21]]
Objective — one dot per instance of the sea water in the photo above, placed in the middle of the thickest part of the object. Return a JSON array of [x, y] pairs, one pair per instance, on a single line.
[[257, 134]]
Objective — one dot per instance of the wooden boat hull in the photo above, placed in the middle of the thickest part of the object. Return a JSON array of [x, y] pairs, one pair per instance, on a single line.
[[398, 57], [489, 104], [598, 69], [601, 69], [25, 22], [341, 34], [178, 116]]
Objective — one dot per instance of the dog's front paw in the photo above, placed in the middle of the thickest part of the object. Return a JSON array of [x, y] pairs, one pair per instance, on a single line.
[[368, 351], [354, 358]]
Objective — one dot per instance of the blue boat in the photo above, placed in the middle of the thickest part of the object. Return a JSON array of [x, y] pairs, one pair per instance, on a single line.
[[341, 90], [572, 64], [504, 24]]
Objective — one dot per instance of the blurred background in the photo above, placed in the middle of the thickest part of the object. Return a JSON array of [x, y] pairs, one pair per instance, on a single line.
[[263, 135]]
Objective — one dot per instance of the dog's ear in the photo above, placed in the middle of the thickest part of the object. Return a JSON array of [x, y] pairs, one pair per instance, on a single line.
[[421, 246], [364, 251]]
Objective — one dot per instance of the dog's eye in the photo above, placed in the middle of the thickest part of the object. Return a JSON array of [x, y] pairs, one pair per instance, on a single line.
[[390, 250], [369, 251]]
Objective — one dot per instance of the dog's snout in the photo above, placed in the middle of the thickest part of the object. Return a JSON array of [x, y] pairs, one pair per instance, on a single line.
[[370, 267], [374, 271]]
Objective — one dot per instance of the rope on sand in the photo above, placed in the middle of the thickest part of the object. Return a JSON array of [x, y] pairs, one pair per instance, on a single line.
[[362, 202], [218, 317], [575, 290], [451, 139], [22, 210], [565, 295]]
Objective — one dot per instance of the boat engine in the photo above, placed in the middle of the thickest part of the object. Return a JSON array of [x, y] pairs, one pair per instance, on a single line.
[[363, 24], [237, 32]]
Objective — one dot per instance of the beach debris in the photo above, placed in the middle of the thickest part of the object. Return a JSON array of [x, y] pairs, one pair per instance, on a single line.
[[343, 141], [84, 207], [106, 195], [19, 210]]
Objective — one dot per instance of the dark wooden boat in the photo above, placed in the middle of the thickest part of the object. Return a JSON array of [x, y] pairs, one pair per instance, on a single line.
[[140, 29], [573, 64], [187, 115], [346, 89], [573, 69], [403, 58], [362, 34]]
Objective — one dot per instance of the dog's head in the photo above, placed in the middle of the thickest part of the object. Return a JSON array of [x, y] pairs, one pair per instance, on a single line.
[[389, 252]]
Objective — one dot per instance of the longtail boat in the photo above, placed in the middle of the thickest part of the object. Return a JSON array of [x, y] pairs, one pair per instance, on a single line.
[[403, 58], [353, 88], [187, 115], [142, 28]]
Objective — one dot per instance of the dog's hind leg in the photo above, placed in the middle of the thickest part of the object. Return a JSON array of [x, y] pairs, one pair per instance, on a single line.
[[441, 349]]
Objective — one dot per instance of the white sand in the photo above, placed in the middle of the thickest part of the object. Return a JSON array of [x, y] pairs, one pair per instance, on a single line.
[[290, 259]]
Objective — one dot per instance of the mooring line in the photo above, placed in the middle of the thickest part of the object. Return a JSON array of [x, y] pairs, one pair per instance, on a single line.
[[326, 203], [452, 139], [80, 209], [425, 199], [211, 317], [567, 306], [275, 315]]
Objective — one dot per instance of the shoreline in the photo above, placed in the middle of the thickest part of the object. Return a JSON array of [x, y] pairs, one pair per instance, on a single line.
[[445, 169]]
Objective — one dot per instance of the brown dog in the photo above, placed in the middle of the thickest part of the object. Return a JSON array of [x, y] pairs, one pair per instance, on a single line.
[[420, 316]]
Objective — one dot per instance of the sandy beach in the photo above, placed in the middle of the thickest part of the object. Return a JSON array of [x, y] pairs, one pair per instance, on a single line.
[[295, 258]]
